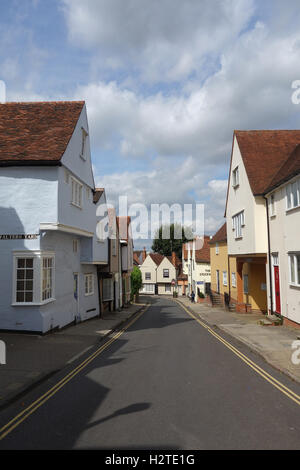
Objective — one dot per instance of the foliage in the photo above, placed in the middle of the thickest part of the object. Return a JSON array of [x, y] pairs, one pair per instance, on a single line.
[[165, 246], [136, 281]]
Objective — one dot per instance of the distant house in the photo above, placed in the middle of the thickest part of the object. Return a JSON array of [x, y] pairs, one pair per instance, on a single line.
[[196, 265], [265, 163], [159, 274], [166, 276], [51, 253]]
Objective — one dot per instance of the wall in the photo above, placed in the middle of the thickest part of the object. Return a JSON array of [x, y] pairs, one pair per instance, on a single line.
[[148, 266], [284, 235], [166, 264], [254, 233]]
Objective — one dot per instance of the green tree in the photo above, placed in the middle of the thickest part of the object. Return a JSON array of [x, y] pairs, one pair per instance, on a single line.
[[136, 282], [165, 246]]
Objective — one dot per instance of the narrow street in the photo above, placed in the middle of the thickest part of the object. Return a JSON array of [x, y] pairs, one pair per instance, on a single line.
[[165, 383]]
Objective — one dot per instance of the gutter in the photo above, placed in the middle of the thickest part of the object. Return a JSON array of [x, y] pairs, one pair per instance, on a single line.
[[269, 255]]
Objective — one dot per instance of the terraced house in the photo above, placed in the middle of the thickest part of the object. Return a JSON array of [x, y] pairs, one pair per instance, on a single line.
[[263, 221], [52, 256]]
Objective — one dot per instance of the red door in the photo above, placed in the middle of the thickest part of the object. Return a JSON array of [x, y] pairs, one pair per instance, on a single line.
[[277, 289]]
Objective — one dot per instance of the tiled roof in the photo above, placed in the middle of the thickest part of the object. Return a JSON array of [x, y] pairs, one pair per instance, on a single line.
[[177, 260], [136, 260], [203, 255], [264, 153], [220, 235], [157, 258], [97, 194], [290, 168], [36, 133]]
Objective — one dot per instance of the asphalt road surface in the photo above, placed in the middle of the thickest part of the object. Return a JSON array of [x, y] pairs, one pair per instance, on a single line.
[[165, 383]]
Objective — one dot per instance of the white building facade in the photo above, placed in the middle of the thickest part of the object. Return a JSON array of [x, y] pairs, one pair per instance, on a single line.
[[50, 249]]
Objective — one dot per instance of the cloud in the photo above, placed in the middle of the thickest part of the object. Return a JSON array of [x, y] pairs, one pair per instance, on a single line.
[[161, 40]]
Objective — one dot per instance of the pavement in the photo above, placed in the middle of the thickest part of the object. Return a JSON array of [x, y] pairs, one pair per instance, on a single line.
[[166, 382], [31, 359], [273, 343]]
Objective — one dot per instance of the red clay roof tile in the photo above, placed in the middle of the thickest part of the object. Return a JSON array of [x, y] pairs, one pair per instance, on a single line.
[[36, 132], [264, 152]]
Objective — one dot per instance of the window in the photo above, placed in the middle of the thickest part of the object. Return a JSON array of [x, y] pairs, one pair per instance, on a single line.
[[33, 278], [148, 276], [246, 284], [224, 278], [75, 246], [272, 205], [149, 288], [238, 221], [293, 195], [294, 261], [47, 279], [89, 284], [83, 143], [166, 273], [217, 248], [235, 177], [233, 279], [76, 193], [107, 289], [25, 272], [167, 288]]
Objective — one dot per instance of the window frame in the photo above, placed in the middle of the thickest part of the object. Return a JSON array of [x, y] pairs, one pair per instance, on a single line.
[[146, 276], [84, 136], [164, 276], [296, 269], [89, 284], [236, 177], [290, 199], [225, 278], [238, 222], [233, 279], [76, 196], [38, 257]]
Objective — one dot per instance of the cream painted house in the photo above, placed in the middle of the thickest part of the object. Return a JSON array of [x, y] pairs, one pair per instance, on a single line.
[[149, 273], [158, 272], [167, 275], [256, 158], [283, 272], [196, 264]]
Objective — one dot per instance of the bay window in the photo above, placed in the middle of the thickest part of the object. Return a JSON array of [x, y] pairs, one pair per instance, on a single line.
[[33, 278]]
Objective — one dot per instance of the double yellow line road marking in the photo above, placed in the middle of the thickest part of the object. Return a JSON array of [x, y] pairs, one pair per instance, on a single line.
[[23, 415], [269, 378], [17, 420]]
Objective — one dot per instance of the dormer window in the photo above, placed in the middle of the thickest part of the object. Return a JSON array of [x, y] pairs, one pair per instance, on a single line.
[[235, 177], [83, 143]]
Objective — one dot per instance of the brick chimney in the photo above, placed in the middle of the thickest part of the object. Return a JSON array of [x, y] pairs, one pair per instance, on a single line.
[[174, 258], [144, 255]]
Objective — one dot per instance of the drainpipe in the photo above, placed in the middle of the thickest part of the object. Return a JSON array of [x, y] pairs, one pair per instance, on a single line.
[[229, 280], [269, 255]]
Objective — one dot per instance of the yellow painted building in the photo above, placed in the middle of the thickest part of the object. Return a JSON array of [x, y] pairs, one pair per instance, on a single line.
[[223, 268], [242, 278]]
